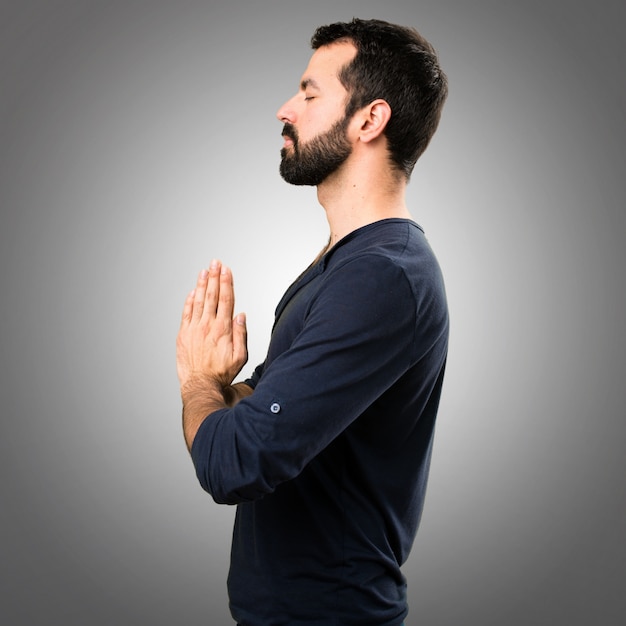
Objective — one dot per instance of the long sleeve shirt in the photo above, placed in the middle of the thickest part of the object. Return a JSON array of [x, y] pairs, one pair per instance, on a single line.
[[328, 459]]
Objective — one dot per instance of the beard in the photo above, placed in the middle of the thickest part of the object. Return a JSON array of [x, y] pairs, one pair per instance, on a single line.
[[311, 163]]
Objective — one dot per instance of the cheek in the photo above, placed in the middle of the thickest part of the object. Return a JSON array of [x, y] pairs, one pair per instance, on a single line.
[[314, 123]]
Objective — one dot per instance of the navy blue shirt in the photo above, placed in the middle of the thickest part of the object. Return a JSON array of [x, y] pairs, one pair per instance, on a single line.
[[328, 459]]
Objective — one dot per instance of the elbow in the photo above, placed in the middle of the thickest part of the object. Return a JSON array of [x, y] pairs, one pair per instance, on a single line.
[[233, 488]]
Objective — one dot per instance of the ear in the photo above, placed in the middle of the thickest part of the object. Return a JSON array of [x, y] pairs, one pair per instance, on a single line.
[[374, 118]]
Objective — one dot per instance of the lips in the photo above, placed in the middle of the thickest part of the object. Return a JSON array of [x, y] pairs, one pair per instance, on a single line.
[[290, 136]]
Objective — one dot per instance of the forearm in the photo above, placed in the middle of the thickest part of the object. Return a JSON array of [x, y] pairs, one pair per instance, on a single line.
[[203, 397]]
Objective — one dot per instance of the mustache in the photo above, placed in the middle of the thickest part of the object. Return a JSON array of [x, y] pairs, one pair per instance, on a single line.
[[290, 131]]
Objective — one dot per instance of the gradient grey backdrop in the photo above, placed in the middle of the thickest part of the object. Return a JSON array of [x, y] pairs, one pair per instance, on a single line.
[[138, 141]]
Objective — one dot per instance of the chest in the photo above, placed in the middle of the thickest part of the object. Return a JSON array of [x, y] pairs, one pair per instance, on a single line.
[[291, 312]]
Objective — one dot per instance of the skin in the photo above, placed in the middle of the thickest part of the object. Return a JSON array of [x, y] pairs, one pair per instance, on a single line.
[[211, 346], [211, 349]]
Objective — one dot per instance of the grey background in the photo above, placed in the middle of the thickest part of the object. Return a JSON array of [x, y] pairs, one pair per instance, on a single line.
[[138, 141]]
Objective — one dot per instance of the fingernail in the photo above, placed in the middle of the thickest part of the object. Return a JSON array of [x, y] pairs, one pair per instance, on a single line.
[[214, 264]]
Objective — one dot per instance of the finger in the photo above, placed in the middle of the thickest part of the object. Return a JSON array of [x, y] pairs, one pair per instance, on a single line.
[[212, 292], [226, 301], [240, 339], [188, 307], [199, 294]]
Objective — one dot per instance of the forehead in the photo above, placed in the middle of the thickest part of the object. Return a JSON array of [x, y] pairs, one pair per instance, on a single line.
[[326, 63]]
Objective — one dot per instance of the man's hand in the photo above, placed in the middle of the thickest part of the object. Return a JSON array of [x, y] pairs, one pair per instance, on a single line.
[[211, 347]]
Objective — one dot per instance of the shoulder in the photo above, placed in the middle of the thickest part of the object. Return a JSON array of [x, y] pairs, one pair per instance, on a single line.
[[396, 251], [388, 272], [401, 241]]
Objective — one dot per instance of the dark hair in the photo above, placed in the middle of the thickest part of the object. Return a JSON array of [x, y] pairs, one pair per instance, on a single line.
[[394, 63]]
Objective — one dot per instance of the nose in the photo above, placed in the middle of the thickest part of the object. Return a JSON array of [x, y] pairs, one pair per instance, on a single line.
[[286, 112]]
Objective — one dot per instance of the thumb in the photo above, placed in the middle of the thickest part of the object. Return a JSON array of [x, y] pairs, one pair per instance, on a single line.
[[240, 338]]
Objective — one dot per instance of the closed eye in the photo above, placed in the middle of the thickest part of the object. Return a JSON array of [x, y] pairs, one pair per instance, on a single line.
[[306, 85]]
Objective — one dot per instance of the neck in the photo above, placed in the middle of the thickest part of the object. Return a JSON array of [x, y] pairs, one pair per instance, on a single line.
[[353, 199]]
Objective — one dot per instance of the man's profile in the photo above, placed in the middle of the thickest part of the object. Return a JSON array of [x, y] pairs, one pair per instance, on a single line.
[[325, 449]]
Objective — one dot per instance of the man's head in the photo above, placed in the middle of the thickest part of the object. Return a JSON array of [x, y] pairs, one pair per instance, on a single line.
[[392, 63]]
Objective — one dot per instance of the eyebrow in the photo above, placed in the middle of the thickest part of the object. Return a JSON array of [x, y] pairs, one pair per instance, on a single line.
[[308, 82]]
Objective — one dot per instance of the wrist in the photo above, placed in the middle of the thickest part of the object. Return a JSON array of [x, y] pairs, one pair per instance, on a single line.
[[236, 392], [197, 387], [201, 396]]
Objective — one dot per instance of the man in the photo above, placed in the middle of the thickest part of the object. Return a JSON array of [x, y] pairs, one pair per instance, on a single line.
[[326, 448]]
